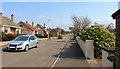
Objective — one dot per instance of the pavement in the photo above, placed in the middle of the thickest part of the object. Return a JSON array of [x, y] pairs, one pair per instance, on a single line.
[[3, 43]]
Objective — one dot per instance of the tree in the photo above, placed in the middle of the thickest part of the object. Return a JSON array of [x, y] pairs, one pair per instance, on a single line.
[[62, 31], [111, 28], [80, 23]]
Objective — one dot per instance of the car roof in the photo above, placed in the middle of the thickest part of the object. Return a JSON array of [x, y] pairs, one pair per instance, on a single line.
[[26, 35]]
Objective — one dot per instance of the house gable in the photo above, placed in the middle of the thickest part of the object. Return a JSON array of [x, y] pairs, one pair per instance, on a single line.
[[39, 27], [26, 28]]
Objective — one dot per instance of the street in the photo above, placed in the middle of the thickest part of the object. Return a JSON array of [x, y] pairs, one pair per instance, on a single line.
[[50, 53]]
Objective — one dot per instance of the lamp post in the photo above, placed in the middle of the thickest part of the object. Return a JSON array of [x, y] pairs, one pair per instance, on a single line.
[[48, 29]]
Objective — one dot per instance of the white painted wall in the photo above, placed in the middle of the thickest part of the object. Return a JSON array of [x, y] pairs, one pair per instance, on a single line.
[[87, 47]]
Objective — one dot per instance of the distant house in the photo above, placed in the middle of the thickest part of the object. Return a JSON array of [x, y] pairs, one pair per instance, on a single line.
[[8, 25], [40, 29], [58, 30], [26, 28]]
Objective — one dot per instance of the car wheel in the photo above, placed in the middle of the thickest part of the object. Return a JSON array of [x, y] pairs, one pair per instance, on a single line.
[[26, 48], [36, 45]]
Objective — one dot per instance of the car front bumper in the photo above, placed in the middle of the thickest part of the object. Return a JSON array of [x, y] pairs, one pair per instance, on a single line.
[[15, 48]]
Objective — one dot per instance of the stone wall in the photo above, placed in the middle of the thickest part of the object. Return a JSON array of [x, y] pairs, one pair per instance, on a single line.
[[108, 57], [87, 47]]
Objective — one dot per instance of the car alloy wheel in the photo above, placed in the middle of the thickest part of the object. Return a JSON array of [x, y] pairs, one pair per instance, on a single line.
[[36, 45], [26, 48]]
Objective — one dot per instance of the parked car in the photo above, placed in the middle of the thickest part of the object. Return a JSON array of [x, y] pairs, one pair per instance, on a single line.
[[60, 36], [20, 34], [39, 35], [23, 42]]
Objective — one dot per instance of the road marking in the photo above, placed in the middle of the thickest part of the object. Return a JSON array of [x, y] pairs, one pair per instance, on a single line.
[[58, 57], [55, 61]]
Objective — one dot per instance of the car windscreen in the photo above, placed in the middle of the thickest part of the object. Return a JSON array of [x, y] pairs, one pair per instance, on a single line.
[[22, 38]]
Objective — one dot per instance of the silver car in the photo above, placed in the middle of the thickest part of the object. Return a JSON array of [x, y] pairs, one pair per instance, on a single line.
[[23, 42]]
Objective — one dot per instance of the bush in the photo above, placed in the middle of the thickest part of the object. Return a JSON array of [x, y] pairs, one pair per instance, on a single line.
[[53, 34], [101, 36], [7, 37]]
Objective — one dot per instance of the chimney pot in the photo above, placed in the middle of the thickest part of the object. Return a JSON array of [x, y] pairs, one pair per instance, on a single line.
[[44, 25], [32, 24], [26, 21]]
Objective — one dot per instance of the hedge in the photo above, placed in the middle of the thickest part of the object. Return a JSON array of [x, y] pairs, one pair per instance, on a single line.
[[101, 36], [8, 37]]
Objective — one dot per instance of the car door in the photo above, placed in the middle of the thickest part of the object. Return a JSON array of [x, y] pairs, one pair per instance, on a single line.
[[35, 40], [32, 41]]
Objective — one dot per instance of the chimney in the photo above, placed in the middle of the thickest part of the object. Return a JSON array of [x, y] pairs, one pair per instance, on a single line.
[[26, 21], [32, 24], [12, 18], [1, 13], [44, 25]]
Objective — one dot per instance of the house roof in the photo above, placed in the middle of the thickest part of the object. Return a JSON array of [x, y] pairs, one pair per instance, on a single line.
[[57, 29], [6, 21], [29, 26], [116, 13], [42, 28]]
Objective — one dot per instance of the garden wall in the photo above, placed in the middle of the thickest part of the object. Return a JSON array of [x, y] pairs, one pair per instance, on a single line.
[[87, 47]]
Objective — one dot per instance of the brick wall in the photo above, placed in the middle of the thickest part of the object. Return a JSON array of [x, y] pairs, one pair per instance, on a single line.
[[116, 16], [118, 42]]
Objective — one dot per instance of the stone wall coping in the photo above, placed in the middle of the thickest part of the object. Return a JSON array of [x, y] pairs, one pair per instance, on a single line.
[[108, 49]]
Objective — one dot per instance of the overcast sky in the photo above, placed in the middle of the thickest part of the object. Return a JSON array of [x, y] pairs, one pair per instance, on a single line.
[[59, 13]]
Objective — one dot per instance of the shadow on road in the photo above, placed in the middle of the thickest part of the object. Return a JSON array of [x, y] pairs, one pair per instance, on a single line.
[[72, 50], [14, 51]]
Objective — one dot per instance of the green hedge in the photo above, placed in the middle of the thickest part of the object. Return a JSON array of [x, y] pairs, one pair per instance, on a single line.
[[53, 34], [7, 37], [101, 36]]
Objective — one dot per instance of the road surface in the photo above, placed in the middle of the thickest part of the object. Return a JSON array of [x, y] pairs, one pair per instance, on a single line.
[[50, 53]]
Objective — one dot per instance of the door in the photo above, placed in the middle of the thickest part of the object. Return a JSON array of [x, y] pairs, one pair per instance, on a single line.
[[32, 41]]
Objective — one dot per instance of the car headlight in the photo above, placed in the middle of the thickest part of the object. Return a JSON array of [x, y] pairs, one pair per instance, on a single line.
[[20, 44]]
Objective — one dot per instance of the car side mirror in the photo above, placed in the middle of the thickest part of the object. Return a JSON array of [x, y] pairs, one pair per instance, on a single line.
[[29, 40]]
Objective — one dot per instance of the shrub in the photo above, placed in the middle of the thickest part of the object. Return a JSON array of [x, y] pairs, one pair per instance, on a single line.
[[52, 34], [7, 37], [101, 36]]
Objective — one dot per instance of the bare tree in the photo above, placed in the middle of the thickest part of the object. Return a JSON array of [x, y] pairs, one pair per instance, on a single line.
[[80, 23], [111, 28]]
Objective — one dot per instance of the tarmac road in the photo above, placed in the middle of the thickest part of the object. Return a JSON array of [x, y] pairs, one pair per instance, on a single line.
[[50, 53]]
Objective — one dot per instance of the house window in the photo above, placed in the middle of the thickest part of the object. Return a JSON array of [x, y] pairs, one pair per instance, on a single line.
[[5, 28], [12, 29], [20, 25], [35, 32], [38, 29], [5, 31], [17, 32]]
